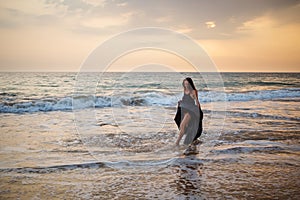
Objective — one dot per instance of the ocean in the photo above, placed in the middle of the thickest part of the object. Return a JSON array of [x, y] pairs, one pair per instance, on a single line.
[[111, 136]]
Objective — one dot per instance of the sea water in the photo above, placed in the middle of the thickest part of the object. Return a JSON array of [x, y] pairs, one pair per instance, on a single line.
[[116, 139]]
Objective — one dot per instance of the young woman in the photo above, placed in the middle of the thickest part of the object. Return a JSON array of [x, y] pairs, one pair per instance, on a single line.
[[189, 114]]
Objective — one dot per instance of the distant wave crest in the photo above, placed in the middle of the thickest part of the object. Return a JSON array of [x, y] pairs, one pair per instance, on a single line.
[[145, 99]]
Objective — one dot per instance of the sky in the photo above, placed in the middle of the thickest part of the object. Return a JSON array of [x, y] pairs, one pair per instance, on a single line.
[[238, 35]]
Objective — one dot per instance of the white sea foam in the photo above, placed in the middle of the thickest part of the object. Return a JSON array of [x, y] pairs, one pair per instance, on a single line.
[[144, 99]]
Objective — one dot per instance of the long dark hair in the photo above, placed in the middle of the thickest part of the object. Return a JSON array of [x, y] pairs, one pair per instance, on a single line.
[[190, 82]]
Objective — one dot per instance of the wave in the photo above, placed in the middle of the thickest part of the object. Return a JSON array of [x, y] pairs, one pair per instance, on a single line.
[[49, 169], [241, 149], [91, 165], [255, 146], [264, 95], [264, 116], [238, 84], [148, 98], [264, 83]]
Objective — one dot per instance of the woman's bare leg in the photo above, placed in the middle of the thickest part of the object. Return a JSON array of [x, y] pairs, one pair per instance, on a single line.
[[183, 124]]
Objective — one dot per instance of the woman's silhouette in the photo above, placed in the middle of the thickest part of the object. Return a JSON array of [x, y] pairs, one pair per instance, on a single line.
[[189, 114]]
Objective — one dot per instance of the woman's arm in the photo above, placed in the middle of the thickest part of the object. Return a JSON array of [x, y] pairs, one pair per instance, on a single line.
[[195, 94]]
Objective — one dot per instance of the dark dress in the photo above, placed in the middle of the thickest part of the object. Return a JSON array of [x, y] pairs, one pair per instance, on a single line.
[[194, 127]]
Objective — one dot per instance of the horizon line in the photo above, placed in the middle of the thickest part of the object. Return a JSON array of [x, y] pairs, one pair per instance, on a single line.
[[150, 71]]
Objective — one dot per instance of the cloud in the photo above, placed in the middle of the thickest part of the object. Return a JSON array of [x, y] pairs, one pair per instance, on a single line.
[[210, 24], [106, 22], [34, 8], [231, 15], [259, 23], [236, 25], [95, 3], [122, 4], [262, 44], [183, 29], [163, 19], [21, 14]]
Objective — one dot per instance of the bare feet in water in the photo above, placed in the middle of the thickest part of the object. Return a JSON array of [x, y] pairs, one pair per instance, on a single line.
[[197, 142]]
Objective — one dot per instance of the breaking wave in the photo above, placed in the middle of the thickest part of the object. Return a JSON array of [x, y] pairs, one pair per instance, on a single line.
[[145, 99]]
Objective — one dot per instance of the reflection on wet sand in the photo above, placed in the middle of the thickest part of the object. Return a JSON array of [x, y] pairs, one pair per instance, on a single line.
[[189, 177]]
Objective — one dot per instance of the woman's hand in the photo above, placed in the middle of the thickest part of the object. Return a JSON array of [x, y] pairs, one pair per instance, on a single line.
[[179, 102], [195, 96], [199, 106]]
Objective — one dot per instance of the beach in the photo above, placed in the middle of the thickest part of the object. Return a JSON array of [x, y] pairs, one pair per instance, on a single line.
[[58, 143]]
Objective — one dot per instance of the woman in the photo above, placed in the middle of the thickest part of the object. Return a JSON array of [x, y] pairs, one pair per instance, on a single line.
[[189, 114]]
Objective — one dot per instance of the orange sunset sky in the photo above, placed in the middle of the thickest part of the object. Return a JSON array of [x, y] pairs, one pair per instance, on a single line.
[[239, 35]]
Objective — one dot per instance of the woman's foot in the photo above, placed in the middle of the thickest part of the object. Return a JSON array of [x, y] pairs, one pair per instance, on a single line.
[[197, 141], [192, 149]]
